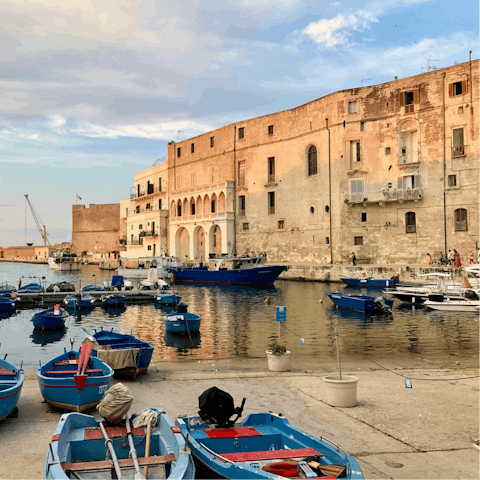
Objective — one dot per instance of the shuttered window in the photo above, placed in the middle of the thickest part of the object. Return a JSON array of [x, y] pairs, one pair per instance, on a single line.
[[460, 218], [458, 142], [241, 173], [457, 88], [312, 160], [357, 190], [410, 223]]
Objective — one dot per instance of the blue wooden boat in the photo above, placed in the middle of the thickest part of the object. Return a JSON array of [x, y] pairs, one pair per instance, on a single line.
[[61, 379], [78, 450], [92, 288], [50, 318], [31, 288], [361, 303], [264, 445], [8, 301], [84, 300], [229, 270], [182, 322], [166, 296], [113, 300], [11, 382], [132, 354], [369, 282]]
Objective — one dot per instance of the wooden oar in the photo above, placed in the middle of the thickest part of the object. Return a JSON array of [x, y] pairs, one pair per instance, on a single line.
[[109, 443], [147, 446], [80, 378], [133, 452]]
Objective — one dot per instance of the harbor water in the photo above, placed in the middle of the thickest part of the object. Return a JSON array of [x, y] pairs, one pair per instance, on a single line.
[[236, 322]]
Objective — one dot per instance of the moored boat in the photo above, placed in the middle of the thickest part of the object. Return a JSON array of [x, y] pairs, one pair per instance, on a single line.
[[78, 300], [8, 301], [369, 282], [11, 382], [113, 300], [31, 288], [166, 296], [454, 305], [182, 322], [93, 288], [74, 380], [141, 266], [126, 354], [65, 261], [361, 303], [263, 445], [50, 318], [79, 450], [229, 270]]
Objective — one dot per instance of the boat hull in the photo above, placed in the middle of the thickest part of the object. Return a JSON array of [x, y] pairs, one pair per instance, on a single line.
[[368, 282], [113, 300], [168, 299], [360, 303], [64, 266], [86, 301], [7, 304], [454, 306], [10, 387], [48, 320], [182, 323]]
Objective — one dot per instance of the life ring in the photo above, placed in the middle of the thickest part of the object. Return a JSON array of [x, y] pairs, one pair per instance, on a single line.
[[288, 469]]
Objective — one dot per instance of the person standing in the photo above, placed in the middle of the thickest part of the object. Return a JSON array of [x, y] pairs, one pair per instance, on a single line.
[[478, 256], [449, 257], [354, 259], [471, 257], [458, 262], [429, 259]]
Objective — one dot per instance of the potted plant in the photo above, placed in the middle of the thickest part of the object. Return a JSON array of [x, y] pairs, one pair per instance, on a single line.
[[278, 357]]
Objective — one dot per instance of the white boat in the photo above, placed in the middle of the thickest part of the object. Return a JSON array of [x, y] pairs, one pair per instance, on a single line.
[[160, 263], [454, 305], [64, 261]]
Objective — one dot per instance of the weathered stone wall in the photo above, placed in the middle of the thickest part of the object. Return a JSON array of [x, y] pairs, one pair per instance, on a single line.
[[96, 229], [22, 252]]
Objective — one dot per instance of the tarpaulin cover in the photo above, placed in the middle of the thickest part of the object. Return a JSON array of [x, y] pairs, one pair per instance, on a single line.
[[115, 403]]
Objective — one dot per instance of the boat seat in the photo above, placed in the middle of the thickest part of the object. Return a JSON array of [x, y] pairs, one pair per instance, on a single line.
[[63, 372], [95, 433], [232, 432], [8, 383], [271, 454], [68, 362], [104, 464], [6, 373]]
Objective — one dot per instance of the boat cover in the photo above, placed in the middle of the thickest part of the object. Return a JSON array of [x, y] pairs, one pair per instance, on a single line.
[[115, 358], [115, 403]]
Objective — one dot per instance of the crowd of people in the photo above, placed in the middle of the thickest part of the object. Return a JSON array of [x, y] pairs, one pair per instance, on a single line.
[[453, 258]]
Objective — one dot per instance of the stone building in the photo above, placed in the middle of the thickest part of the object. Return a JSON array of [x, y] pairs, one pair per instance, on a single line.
[[96, 229], [390, 172]]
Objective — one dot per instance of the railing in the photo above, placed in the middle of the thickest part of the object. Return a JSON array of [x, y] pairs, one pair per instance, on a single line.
[[271, 210], [136, 211], [136, 242], [148, 233], [151, 191], [459, 151], [271, 178], [403, 159], [389, 195]]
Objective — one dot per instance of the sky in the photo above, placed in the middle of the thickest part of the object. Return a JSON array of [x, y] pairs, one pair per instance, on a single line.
[[92, 91]]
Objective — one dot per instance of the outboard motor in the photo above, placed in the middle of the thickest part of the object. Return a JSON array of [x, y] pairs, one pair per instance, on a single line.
[[216, 407], [181, 308], [471, 295], [381, 305]]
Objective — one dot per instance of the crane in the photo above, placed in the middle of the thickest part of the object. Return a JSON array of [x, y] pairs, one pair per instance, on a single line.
[[36, 217]]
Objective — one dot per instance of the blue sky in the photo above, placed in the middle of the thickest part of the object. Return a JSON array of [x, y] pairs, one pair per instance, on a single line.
[[92, 91]]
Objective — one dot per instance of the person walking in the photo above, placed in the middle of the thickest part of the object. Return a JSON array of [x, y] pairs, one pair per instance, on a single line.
[[458, 262], [449, 257], [429, 259], [354, 259], [471, 257], [478, 256]]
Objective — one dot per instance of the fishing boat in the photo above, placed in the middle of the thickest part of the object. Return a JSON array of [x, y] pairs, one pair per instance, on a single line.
[[126, 354], [93, 288], [50, 318], [31, 288], [79, 449], [8, 301], [113, 300], [180, 321], [229, 270], [74, 380], [166, 296], [263, 445], [118, 283], [455, 305], [361, 303], [11, 382], [139, 267], [65, 261], [78, 300], [369, 282]]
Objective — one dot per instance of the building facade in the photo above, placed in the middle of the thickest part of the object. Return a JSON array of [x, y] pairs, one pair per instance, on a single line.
[[390, 172]]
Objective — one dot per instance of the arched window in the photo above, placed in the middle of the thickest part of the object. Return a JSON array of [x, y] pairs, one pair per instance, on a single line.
[[460, 219], [312, 160], [192, 206], [179, 208], [410, 223]]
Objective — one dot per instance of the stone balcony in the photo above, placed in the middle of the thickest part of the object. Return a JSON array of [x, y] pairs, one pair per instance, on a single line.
[[385, 196]]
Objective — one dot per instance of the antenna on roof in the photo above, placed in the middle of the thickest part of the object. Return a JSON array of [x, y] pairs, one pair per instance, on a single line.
[[429, 67]]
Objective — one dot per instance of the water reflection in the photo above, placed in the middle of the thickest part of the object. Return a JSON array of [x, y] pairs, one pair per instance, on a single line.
[[183, 343], [8, 313], [43, 337], [114, 311]]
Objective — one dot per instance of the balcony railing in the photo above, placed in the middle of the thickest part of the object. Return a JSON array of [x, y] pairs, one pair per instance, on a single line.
[[389, 195], [151, 191], [148, 233], [136, 241], [271, 178], [136, 211]]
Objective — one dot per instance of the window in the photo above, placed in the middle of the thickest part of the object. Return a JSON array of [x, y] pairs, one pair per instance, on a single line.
[[241, 205], [452, 180], [192, 207], [179, 209], [409, 186], [150, 188], [327, 240], [241, 133], [312, 210], [410, 223], [387, 151], [179, 152], [312, 160], [241, 173], [212, 142], [192, 148], [458, 142], [460, 110], [160, 204], [357, 190], [409, 99], [352, 106], [355, 151], [140, 226], [149, 247], [281, 224], [271, 169], [160, 184], [213, 205], [148, 206], [460, 218], [362, 126], [358, 240], [364, 216], [270, 129], [271, 202], [137, 209], [245, 226], [457, 88]]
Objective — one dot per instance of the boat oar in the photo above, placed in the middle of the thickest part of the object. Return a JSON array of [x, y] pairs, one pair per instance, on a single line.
[[133, 452], [147, 446], [81, 377], [109, 444]]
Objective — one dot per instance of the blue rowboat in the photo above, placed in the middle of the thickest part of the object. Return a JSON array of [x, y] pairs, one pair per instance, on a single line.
[[78, 300], [7, 301], [113, 348], [182, 322], [78, 449], [11, 382], [93, 288], [166, 296], [60, 382], [50, 318], [113, 300], [31, 288], [369, 282], [361, 303], [264, 446]]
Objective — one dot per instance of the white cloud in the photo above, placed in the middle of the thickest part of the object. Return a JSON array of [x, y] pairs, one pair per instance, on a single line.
[[338, 30]]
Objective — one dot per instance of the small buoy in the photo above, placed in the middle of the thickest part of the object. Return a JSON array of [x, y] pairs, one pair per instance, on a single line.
[[268, 301]]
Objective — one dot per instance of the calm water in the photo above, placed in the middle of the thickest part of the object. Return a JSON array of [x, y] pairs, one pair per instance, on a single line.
[[236, 322]]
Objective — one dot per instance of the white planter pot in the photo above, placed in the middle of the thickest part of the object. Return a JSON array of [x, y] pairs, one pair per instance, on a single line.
[[278, 363], [341, 393]]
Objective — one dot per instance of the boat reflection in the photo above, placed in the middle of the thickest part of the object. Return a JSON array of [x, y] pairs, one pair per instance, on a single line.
[[360, 318], [114, 311], [43, 337], [183, 343], [8, 313]]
